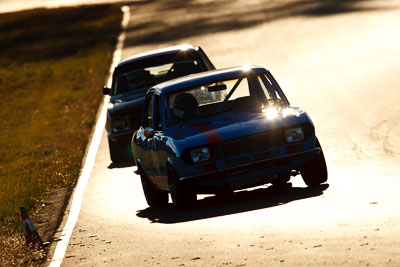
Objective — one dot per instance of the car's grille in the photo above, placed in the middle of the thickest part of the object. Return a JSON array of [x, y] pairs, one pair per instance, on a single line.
[[237, 161], [246, 145], [265, 155], [257, 143], [260, 145]]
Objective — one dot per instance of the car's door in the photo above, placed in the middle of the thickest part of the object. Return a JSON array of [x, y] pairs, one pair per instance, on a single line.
[[158, 147], [147, 138]]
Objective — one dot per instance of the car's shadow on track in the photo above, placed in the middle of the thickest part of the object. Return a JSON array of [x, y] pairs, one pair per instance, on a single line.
[[116, 165], [242, 201]]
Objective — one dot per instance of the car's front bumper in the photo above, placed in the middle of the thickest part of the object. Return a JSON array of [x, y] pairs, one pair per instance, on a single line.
[[250, 174]]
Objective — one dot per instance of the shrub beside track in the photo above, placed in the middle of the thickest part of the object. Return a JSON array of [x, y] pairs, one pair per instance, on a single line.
[[53, 64]]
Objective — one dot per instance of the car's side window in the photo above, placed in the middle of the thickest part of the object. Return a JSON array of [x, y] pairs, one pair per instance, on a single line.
[[269, 89], [148, 121], [156, 114], [269, 93]]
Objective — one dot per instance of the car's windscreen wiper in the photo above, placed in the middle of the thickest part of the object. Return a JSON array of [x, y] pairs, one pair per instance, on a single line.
[[219, 110], [138, 90], [247, 106]]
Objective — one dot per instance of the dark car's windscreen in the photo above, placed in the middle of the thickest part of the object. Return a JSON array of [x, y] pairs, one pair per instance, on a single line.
[[144, 78], [234, 94]]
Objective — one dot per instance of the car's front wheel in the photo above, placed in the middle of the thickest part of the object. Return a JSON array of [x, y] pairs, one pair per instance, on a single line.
[[315, 172], [116, 152], [281, 181], [154, 197], [120, 151], [181, 197]]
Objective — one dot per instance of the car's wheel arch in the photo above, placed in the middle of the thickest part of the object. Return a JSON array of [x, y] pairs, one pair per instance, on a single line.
[[139, 165], [169, 167], [312, 176], [181, 198]]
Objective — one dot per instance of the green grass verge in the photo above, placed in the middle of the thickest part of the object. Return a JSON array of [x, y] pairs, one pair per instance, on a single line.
[[53, 64]]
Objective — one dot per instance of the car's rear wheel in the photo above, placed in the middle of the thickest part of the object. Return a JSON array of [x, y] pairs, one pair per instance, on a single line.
[[181, 196], [315, 172], [154, 197]]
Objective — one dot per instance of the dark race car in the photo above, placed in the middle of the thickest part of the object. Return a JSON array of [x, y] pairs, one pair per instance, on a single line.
[[221, 131], [131, 80]]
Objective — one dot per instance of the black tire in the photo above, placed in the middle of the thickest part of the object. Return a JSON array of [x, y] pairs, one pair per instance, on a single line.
[[281, 181], [225, 193], [315, 172], [120, 151], [154, 197], [116, 152], [181, 196]]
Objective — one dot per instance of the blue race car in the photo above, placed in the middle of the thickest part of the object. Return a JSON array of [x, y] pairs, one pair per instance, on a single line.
[[221, 131]]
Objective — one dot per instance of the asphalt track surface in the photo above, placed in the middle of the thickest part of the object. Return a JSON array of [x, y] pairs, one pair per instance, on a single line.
[[338, 60]]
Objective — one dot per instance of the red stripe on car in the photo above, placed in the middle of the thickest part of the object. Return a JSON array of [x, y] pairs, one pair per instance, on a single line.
[[211, 134]]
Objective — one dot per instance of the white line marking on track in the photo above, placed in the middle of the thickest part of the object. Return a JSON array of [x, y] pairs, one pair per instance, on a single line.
[[73, 215]]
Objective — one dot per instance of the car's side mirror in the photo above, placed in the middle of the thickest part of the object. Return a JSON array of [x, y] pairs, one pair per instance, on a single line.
[[148, 132], [106, 91]]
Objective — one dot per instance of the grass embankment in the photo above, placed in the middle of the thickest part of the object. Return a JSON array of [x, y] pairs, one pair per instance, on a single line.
[[53, 64]]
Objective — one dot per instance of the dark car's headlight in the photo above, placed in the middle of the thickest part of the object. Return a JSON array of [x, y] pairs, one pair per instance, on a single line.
[[119, 124], [294, 135], [200, 154]]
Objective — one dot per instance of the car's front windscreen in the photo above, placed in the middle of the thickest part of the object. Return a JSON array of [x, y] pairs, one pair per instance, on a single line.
[[245, 93], [144, 78]]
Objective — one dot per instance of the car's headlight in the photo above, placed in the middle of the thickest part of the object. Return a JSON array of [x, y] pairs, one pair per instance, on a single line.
[[119, 125], [294, 135], [200, 154]]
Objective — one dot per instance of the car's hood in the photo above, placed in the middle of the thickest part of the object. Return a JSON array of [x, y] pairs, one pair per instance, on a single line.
[[229, 125], [128, 107]]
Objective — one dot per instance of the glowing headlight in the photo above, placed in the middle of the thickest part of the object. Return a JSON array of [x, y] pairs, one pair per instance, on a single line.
[[271, 113], [294, 135], [200, 154], [119, 125], [290, 112]]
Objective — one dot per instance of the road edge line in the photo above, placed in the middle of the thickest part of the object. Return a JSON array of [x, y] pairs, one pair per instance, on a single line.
[[62, 245]]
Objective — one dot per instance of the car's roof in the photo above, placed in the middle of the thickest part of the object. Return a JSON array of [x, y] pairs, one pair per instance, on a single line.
[[158, 52], [205, 77]]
